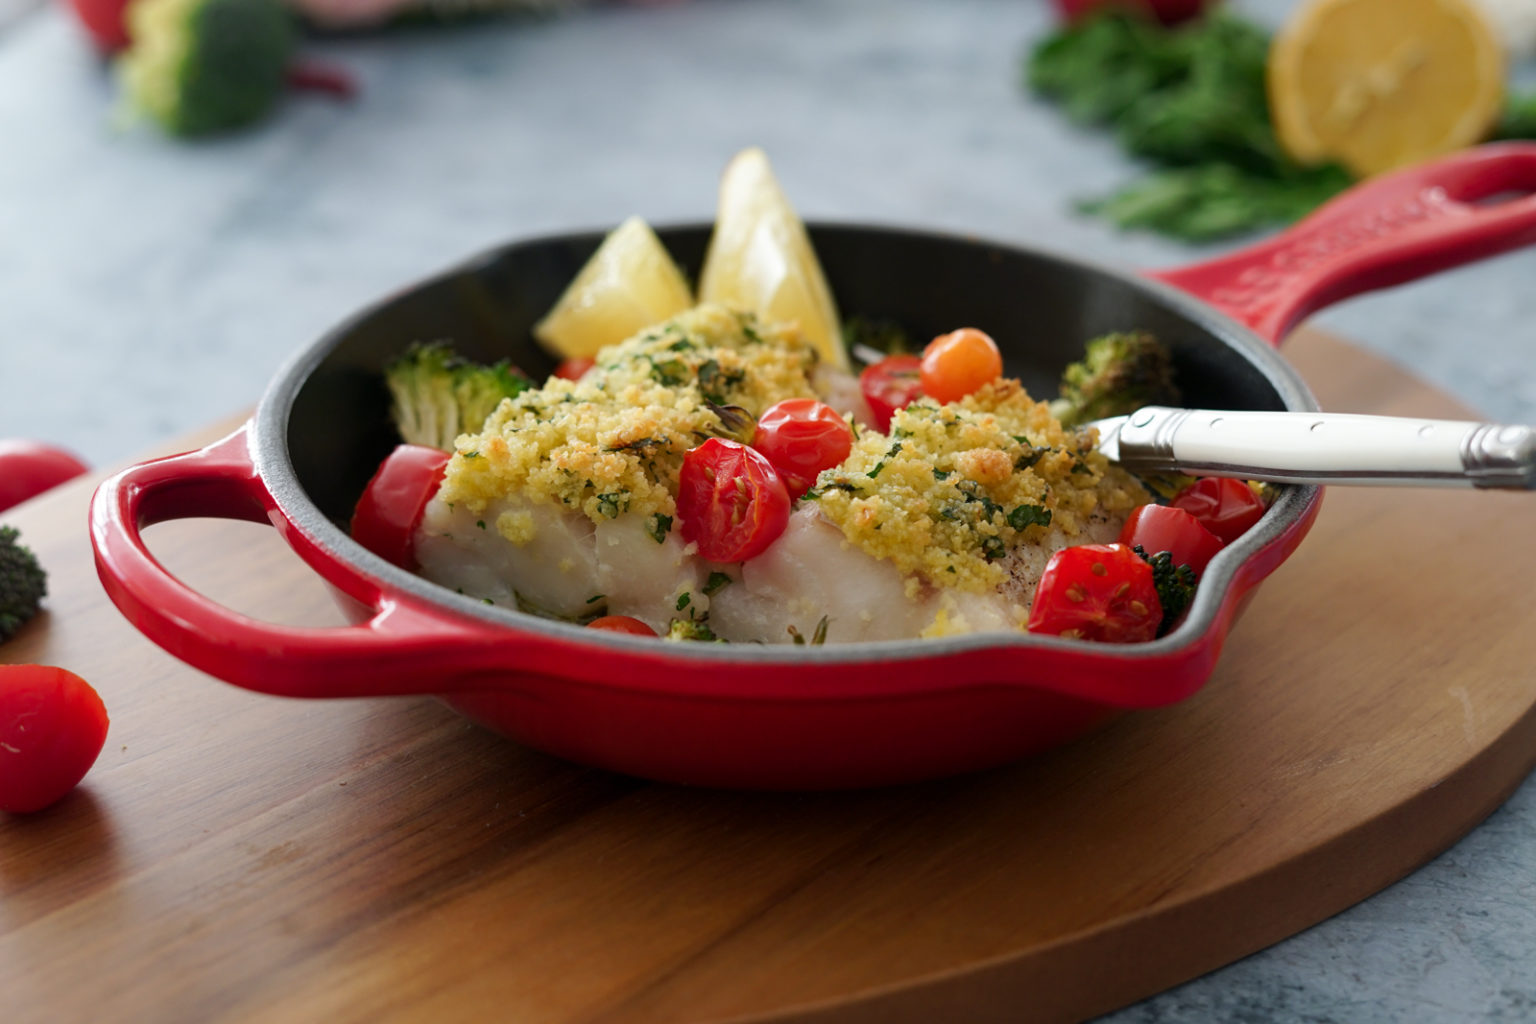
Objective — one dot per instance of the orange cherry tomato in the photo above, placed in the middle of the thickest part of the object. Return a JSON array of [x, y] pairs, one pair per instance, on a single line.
[[622, 624], [802, 437], [957, 363], [731, 501]]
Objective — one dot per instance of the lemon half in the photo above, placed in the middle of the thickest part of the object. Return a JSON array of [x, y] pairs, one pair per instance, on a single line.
[[1379, 84]]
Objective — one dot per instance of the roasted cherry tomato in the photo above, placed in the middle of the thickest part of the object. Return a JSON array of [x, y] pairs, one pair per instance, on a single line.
[[802, 437], [731, 501], [28, 468], [1165, 528], [891, 384], [52, 726], [390, 509], [957, 363], [1169, 12], [1098, 592], [622, 624], [575, 367], [1228, 508]]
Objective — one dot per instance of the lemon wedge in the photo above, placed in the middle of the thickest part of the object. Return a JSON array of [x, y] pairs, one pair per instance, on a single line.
[[629, 284], [1378, 84], [760, 258]]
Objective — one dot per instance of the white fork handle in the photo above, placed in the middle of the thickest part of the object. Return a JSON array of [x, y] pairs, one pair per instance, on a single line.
[[1328, 448]]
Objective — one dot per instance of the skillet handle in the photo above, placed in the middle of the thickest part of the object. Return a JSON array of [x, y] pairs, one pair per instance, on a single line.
[[397, 650], [1386, 231]]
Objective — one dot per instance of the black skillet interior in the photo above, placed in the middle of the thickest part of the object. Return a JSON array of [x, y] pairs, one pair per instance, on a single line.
[[1041, 309]]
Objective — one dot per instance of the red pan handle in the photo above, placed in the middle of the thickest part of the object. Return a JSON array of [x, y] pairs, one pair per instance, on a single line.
[[399, 649], [1386, 231]]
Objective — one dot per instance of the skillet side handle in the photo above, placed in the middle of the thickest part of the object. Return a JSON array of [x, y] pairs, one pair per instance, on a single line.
[[1409, 224], [398, 650]]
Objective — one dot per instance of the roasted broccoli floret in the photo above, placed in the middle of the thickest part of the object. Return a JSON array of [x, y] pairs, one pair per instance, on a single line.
[[1119, 373], [23, 584], [692, 629], [438, 395], [202, 66], [1175, 585]]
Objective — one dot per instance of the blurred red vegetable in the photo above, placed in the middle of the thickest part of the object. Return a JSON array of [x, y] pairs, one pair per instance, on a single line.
[[1169, 12], [103, 21], [28, 468]]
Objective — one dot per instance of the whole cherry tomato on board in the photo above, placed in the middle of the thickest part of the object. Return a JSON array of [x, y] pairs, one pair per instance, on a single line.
[[1165, 528], [1169, 12], [802, 437], [958, 363], [621, 624], [891, 384], [390, 509], [731, 501], [28, 468], [1228, 508], [1098, 592], [52, 727]]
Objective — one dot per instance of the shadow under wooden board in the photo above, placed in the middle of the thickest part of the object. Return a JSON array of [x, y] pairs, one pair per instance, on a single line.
[[240, 857]]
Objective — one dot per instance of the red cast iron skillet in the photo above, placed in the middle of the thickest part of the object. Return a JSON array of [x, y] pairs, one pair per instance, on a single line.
[[775, 716]]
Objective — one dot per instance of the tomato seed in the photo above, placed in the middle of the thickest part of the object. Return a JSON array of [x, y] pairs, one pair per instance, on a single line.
[[1138, 608], [1076, 594], [1121, 590], [1099, 569]]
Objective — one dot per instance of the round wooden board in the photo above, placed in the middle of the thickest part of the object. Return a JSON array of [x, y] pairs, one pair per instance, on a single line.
[[234, 857]]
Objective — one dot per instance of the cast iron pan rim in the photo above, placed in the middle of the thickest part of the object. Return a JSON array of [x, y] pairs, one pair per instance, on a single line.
[[269, 449]]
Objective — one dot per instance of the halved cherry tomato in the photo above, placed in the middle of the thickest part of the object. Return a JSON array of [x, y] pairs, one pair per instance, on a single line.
[[622, 624], [802, 437], [1228, 508], [1098, 592], [28, 468], [52, 727], [891, 384], [573, 368], [390, 509], [1165, 528], [731, 501], [957, 363]]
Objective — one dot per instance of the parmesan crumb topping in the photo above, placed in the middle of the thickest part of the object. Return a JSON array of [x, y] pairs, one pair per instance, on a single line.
[[614, 441]]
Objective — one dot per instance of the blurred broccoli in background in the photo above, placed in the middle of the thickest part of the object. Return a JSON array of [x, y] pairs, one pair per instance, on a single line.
[[438, 395], [23, 584], [1118, 374], [198, 67]]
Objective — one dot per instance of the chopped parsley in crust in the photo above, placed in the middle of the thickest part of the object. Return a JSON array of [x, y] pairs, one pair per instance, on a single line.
[[953, 488], [613, 442]]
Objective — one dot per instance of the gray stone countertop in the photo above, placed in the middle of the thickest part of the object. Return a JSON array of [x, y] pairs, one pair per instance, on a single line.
[[149, 287]]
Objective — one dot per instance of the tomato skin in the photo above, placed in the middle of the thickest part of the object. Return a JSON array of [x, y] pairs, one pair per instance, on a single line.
[[622, 624], [390, 509], [891, 384], [1101, 592], [52, 727], [1169, 12], [575, 367], [1228, 508], [958, 363], [1165, 528], [731, 501], [802, 437], [104, 22], [28, 468]]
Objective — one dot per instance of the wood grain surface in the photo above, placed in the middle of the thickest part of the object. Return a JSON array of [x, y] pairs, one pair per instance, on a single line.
[[234, 857]]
